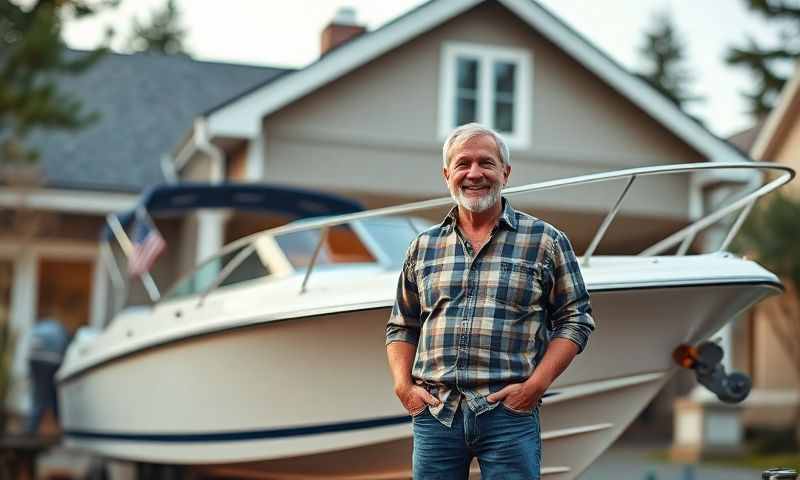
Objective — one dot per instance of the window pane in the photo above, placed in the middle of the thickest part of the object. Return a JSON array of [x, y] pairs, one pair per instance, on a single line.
[[504, 86], [504, 116], [466, 111], [250, 268], [466, 100], [504, 77], [467, 73], [342, 245], [206, 274], [393, 235], [299, 247]]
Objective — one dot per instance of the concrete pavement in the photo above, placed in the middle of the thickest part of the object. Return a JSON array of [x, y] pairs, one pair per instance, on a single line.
[[627, 462]]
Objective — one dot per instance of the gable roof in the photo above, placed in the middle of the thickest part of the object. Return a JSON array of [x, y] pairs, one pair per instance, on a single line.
[[241, 115], [145, 101]]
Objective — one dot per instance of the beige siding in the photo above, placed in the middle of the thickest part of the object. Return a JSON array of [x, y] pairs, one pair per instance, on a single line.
[[788, 150], [236, 164], [199, 169], [773, 367], [375, 129], [773, 364]]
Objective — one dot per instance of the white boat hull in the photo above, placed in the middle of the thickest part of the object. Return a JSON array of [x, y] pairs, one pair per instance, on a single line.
[[312, 397]]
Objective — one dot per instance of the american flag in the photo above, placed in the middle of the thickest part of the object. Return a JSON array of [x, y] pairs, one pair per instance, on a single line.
[[147, 246]]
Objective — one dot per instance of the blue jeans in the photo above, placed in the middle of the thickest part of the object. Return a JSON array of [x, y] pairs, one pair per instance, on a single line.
[[44, 393], [507, 444]]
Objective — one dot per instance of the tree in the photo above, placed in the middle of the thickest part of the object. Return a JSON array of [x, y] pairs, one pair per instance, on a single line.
[[663, 52], [161, 34], [770, 236], [32, 57], [768, 65]]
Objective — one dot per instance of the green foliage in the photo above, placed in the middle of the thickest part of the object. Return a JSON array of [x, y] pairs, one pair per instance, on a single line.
[[765, 63], [664, 53], [32, 57], [771, 234], [161, 34]]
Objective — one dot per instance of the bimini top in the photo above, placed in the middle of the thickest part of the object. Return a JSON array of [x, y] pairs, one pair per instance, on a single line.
[[165, 200]]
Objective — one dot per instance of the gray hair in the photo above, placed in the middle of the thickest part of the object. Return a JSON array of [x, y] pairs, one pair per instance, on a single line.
[[464, 133]]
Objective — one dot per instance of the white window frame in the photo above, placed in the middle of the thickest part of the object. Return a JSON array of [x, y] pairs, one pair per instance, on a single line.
[[486, 56]]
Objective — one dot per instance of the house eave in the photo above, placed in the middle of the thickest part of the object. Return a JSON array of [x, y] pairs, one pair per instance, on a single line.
[[68, 201]]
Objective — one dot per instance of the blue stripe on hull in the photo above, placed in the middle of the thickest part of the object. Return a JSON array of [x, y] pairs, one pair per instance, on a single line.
[[246, 435], [238, 436]]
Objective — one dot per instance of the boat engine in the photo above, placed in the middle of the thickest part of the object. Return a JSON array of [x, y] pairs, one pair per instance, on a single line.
[[705, 359]]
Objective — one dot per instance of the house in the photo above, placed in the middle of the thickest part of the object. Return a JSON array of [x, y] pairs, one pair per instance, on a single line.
[[367, 119], [773, 361], [144, 102]]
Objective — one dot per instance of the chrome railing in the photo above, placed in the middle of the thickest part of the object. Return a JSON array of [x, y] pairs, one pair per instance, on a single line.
[[682, 238]]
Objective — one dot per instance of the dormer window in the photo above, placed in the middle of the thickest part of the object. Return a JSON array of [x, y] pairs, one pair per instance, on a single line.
[[486, 84]]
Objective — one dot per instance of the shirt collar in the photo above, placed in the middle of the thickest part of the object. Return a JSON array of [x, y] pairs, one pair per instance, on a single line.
[[507, 217]]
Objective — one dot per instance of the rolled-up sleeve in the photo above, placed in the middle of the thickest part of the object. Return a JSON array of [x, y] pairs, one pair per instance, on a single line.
[[569, 309], [404, 322]]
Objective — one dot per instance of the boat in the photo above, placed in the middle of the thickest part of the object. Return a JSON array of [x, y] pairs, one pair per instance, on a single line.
[[268, 359]]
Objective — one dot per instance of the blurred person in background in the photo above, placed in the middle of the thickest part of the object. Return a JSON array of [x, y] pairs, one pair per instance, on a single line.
[[48, 343]]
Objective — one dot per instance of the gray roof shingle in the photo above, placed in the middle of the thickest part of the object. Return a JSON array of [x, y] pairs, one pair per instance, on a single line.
[[146, 103]]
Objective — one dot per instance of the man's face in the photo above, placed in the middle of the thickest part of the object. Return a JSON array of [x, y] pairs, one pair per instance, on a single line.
[[476, 174]]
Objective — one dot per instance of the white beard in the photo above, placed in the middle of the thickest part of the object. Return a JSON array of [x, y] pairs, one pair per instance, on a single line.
[[480, 204]]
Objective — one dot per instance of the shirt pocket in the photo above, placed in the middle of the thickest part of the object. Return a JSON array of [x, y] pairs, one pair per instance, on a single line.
[[520, 284], [430, 278]]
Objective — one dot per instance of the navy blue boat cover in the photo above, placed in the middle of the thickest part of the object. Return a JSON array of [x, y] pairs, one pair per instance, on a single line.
[[167, 200]]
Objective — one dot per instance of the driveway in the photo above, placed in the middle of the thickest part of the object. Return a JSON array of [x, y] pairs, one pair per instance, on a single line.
[[623, 462]]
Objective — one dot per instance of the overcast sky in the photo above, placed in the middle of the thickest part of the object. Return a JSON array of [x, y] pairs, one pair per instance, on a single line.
[[283, 33]]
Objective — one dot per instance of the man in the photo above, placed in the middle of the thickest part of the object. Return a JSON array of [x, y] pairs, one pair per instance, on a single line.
[[491, 308], [49, 340]]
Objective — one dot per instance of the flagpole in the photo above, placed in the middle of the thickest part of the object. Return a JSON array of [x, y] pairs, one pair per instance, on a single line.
[[117, 279], [127, 248]]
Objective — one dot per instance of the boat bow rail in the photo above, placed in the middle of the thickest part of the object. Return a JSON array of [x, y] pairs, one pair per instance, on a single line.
[[761, 178]]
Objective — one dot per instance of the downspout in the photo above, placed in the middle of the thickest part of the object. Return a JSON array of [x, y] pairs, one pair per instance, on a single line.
[[214, 152], [199, 142]]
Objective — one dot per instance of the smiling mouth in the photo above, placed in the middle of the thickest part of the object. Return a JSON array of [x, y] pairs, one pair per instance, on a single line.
[[475, 188]]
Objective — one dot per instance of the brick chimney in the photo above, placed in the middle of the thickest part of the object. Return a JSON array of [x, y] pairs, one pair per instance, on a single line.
[[342, 28]]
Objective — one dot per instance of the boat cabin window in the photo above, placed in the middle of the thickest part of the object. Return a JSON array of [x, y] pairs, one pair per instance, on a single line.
[[341, 245], [392, 235], [248, 267]]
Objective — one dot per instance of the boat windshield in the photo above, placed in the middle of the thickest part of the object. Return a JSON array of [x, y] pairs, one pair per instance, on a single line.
[[243, 262], [381, 240], [342, 245], [391, 235], [368, 241]]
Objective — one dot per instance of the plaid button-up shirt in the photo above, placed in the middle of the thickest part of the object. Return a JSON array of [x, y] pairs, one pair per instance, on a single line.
[[482, 320]]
